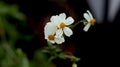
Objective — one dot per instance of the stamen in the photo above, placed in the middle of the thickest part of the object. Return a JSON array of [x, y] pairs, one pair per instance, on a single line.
[[51, 37], [93, 22], [62, 25]]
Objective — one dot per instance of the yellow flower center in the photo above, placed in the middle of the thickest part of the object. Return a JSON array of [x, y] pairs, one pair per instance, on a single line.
[[62, 25], [93, 22], [51, 37]]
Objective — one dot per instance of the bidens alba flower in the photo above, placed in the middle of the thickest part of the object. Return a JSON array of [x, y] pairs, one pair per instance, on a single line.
[[50, 34], [62, 23], [56, 27], [90, 20]]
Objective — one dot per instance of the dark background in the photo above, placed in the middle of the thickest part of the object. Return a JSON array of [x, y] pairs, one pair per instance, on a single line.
[[97, 47]]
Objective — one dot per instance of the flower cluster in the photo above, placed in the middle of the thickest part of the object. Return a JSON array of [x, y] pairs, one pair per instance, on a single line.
[[60, 26]]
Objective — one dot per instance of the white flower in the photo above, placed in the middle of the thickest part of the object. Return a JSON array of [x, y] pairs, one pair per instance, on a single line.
[[90, 20], [62, 23], [50, 34]]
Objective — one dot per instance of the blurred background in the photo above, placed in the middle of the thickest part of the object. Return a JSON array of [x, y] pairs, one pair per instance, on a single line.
[[22, 25]]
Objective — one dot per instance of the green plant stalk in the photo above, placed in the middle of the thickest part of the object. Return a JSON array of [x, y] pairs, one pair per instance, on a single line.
[[2, 31], [73, 26]]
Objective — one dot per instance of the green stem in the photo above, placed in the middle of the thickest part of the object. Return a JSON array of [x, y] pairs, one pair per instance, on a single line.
[[73, 26], [2, 31], [49, 61], [3, 38], [73, 58], [49, 44]]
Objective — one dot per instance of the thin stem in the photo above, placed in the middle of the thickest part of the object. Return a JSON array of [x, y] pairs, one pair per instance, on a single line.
[[73, 58], [2, 34], [73, 26], [2, 31], [49, 44], [50, 59]]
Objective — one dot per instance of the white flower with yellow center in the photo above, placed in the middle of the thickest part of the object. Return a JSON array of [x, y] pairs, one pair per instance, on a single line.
[[62, 23], [90, 20], [50, 34]]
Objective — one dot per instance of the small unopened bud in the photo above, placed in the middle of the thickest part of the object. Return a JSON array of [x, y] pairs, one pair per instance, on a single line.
[[85, 23], [74, 65]]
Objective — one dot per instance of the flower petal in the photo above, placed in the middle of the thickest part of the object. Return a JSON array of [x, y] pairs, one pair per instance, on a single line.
[[87, 26], [62, 15], [49, 29], [52, 41], [91, 17], [69, 20], [87, 17], [68, 32], [59, 40], [55, 20], [59, 33]]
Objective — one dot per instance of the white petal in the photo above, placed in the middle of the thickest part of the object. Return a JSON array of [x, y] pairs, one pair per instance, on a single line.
[[59, 40], [59, 33], [87, 17], [91, 17], [62, 15], [55, 20], [52, 41], [62, 39], [87, 27], [46, 33], [50, 28], [69, 20], [68, 32]]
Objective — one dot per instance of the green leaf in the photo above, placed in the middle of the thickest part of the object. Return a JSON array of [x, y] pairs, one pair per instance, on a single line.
[[4, 9], [22, 58], [74, 59], [62, 56], [40, 59], [25, 62]]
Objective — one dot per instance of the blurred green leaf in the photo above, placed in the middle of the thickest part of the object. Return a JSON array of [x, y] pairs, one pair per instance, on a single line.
[[9, 56], [1, 52], [62, 56], [3, 8], [40, 59], [25, 62], [22, 58], [11, 10], [10, 30]]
